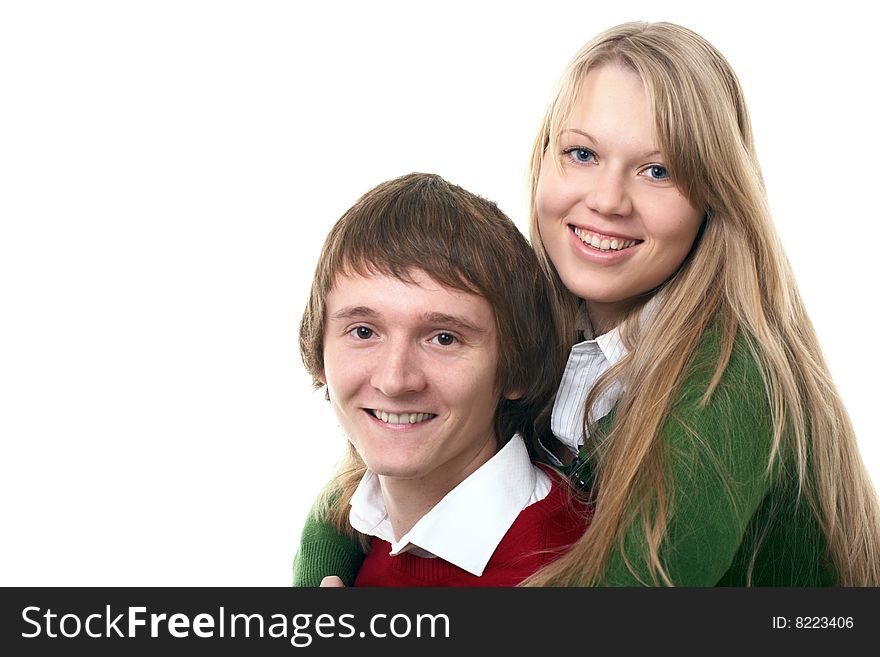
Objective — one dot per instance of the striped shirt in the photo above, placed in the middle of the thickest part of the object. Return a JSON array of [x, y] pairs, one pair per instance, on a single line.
[[587, 361]]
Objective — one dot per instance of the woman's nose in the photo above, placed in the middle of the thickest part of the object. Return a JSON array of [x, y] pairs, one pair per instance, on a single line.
[[608, 194]]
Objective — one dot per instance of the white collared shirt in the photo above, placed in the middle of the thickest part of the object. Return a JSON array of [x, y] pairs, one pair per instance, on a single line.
[[587, 361], [467, 525]]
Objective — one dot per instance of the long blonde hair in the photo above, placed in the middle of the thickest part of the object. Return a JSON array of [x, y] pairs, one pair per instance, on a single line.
[[737, 277]]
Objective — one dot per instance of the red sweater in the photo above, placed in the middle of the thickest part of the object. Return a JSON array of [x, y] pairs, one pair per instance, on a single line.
[[539, 534]]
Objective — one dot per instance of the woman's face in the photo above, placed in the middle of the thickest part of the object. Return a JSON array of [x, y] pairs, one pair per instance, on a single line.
[[610, 219]]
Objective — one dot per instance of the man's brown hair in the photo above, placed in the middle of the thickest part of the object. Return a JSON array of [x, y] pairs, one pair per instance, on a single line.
[[464, 242]]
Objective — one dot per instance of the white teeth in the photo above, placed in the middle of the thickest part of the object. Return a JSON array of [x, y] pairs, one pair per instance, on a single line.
[[402, 418], [603, 244]]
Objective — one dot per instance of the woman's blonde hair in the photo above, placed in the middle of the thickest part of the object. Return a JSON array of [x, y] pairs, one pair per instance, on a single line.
[[738, 278]]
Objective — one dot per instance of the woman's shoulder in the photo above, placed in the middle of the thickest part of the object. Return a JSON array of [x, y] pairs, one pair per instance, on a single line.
[[741, 377], [722, 410]]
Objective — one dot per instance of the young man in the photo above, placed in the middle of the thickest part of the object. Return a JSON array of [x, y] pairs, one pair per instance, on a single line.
[[428, 323]]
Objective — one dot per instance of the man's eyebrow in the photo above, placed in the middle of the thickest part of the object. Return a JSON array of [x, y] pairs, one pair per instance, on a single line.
[[354, 312], [444, 319], [453, 320]]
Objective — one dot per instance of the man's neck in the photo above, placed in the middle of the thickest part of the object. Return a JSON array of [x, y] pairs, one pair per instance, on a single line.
[[408, 500]]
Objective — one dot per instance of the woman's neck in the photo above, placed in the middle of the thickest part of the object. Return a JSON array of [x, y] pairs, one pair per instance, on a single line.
[[604, 316]]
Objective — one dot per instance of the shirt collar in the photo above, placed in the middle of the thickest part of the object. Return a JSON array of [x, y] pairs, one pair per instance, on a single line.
[[609, 345], [587, 361], [467, 525]]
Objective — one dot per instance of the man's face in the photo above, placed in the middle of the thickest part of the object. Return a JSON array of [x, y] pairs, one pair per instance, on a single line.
[[411, 373]]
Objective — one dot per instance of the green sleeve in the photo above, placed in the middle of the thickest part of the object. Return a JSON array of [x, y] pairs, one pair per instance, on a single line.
[[717, 455], [323, 551]]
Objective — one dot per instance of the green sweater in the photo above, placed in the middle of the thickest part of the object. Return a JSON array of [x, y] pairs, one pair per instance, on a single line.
[[724, 502]]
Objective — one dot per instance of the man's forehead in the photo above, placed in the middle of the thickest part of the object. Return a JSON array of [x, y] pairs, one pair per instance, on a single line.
[[449, 280]]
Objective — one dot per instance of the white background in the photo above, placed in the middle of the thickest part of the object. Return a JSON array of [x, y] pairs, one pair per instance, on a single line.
[[168, 173]]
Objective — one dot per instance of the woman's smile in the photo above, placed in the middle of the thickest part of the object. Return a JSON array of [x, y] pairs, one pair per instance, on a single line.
[[610, 218]]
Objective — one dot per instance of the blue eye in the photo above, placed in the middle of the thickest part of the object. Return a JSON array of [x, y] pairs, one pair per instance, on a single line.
[[657, 172], [362, 332], [581, 155]]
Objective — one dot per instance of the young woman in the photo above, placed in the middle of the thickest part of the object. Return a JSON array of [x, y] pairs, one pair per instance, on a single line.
[[696, 397]]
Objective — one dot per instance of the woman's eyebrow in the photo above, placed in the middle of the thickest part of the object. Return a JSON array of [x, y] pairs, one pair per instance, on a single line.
[[582, 133], [647, 155]]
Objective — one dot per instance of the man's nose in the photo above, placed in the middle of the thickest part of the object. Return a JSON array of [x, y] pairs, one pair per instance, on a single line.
[[398, 370]]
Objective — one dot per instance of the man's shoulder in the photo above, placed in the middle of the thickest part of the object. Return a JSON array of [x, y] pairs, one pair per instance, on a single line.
[[559, 518]]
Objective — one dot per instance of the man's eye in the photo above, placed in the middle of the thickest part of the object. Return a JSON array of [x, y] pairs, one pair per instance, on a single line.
[[362, 332], [445, 339]]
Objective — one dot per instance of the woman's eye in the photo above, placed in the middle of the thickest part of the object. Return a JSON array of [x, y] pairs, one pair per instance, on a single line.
[[582, 155], [362, 332], [445, 339], [657, 172]]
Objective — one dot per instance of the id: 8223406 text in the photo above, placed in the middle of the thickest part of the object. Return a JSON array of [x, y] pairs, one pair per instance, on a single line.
[[813, 622]]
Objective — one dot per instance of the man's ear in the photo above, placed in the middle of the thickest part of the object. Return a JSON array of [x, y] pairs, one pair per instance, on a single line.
[[322, 377], [514, 394]]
